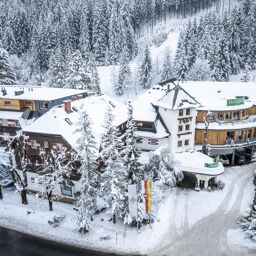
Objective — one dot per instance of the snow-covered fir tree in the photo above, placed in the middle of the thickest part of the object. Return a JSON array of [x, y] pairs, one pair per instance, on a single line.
[[200, 71], [94, 80], [221, 67], [77, 75], [114, 179], [87, 154], [57, 70], [132, 164], [167, 71], [124, 75], [161, 168], [7, 74], [19, 161], [55, 167], [146, 69]]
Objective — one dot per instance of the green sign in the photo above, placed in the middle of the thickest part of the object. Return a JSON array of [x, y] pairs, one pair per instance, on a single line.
[[235, 102], [214, 164]]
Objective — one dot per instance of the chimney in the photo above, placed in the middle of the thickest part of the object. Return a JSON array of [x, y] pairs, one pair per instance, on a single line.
[[67, 106]]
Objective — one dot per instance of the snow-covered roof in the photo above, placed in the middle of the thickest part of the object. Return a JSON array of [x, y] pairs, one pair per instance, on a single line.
[[213, 96], [142, 106], [11, 115], [58, 122], [176, 98], [194, 162], [37, 93]]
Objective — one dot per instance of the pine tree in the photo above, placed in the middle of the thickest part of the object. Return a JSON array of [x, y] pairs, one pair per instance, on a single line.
[[221, 70], [200, 71], [114, 176], [84, 39], [55, 169], [8, 40], [181, 60], [124, 75], [77, 77], [131, 162], [21, 32], [57, 70], [94, 80], [87, 152], [167, 68], [99, 32], [7, 75], [17, 150], [234, 40], [146, 69]]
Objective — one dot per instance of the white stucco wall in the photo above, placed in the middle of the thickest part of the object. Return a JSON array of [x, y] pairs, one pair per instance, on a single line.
[[146, 146], [170, 118]]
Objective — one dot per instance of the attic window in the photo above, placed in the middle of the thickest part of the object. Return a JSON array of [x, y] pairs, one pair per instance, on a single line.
[[68, 121]]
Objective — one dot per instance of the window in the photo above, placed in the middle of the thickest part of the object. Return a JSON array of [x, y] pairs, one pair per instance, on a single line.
[[139, 140], [180, 128], [187, 127], [139, 124], [186, 142], [7, 103], [4, 122], [16, 123], [153, 141], [228, 115], [220, 116], [59, 146], [46, 144], [33, 144], [188, 111], [66, 190], [179, 143], [32, 180], [236, 115], [44, 105], [181, 112]]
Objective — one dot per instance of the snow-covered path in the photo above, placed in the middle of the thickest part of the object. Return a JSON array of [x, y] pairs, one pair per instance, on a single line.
[[209, 235]]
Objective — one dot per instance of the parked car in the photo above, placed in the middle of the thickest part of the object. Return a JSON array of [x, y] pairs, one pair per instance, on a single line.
[[239, 158], [224, 159]]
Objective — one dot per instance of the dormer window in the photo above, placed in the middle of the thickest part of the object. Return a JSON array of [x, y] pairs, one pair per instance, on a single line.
[[44, 105], [181, 112]]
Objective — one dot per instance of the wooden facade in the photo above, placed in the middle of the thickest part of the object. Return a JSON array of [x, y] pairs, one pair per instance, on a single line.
[[35, 142], [220, 137]]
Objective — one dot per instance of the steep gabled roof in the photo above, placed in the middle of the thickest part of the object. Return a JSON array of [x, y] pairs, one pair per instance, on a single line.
[[176, 98]]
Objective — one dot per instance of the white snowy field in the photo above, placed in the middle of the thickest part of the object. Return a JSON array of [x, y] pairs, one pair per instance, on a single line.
[[176, 214]]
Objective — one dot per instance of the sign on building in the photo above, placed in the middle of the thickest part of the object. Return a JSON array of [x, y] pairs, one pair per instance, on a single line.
[[235, 102]]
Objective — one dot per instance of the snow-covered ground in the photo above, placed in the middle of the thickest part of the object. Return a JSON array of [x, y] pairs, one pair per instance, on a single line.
[[181, 213]]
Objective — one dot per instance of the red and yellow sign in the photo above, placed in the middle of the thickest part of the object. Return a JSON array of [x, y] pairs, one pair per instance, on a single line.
[[147, 195]]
